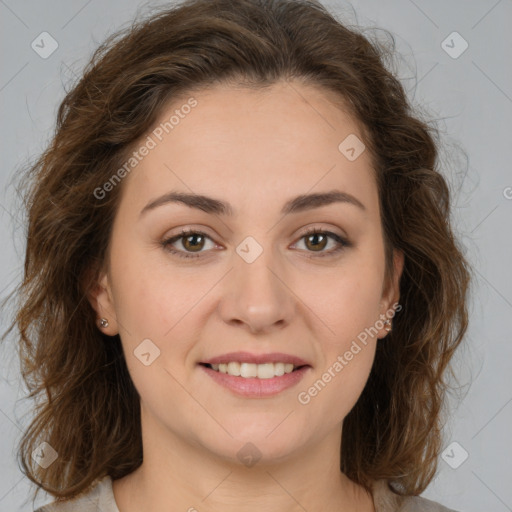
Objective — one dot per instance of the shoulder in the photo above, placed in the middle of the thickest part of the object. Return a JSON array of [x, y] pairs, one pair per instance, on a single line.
[[386, 500], [100, 496]]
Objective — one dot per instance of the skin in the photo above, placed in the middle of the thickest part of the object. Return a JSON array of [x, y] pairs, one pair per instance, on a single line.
[[255, 150]]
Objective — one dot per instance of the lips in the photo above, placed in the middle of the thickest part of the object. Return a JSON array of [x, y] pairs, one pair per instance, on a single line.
[[256, 387], [256, 375]]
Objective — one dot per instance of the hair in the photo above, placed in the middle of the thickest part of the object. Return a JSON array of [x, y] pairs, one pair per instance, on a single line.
[[87, 407]]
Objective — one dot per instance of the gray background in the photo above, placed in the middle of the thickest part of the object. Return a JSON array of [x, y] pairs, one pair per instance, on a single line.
[[470, 98]]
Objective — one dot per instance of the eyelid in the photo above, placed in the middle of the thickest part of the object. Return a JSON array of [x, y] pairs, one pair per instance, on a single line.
[[342, 241]]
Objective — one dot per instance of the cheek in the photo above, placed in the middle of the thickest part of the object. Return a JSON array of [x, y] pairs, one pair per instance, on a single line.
[[337, 384], [156, 305], [150, 296], [347, 302], [158, 302]]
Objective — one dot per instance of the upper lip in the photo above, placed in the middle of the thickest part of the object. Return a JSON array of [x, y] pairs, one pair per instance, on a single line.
[[246, 357]]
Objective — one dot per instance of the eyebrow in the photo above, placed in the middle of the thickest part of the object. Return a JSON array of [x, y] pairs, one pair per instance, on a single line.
[[216, 206]]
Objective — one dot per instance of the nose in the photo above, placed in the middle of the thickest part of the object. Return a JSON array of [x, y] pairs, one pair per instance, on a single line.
[[257, 296]]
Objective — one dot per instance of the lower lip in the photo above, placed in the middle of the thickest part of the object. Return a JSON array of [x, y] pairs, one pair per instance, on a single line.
[[254, 387]]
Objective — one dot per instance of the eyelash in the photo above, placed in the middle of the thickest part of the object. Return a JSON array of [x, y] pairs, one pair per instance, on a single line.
[[343, 243]]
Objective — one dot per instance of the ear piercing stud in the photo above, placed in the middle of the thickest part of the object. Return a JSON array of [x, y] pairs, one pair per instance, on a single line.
[[388, 325], [103, 322]]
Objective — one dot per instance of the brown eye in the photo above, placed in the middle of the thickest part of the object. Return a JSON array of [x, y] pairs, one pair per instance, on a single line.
[[318, 241], [191, 241], [194, 242]]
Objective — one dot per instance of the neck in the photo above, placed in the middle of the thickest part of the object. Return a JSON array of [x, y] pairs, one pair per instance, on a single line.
[[189, 478]]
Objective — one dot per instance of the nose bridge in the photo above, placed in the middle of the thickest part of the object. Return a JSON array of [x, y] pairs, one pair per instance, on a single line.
[[258, 297]]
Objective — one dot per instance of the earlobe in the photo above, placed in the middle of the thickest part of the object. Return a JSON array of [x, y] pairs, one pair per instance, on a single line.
[[100, 297]]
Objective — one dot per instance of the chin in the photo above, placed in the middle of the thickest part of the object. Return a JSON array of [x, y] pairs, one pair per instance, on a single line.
[[267, 442]]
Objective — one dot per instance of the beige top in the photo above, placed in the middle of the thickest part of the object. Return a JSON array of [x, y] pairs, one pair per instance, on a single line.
[[101, 499]]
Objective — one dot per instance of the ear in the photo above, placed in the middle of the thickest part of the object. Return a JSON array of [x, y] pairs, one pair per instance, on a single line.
[[391, 294], [99, 294]]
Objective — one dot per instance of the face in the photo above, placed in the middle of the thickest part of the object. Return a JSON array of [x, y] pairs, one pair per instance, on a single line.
[[249, 279]]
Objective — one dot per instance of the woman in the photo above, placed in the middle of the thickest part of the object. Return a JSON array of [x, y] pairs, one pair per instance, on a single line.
[[241, 285]]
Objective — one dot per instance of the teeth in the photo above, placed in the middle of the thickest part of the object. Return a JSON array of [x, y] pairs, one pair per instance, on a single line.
[[248, 370], [233, 368]]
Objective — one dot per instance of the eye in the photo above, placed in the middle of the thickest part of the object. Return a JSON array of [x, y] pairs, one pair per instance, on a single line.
[[318, 238], [193, 241]]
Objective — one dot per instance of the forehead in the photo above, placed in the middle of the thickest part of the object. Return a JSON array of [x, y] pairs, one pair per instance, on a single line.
[[254, 146]]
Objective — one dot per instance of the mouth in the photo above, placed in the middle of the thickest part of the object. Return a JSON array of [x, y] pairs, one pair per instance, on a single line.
[[256, 380], [252, 375], [252, 370]]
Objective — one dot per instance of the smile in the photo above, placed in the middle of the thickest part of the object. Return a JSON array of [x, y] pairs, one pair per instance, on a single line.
[[251, 370], [251, 380]]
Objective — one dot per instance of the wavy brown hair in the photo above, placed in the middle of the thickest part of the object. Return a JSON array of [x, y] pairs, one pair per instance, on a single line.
[[87, 407]]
